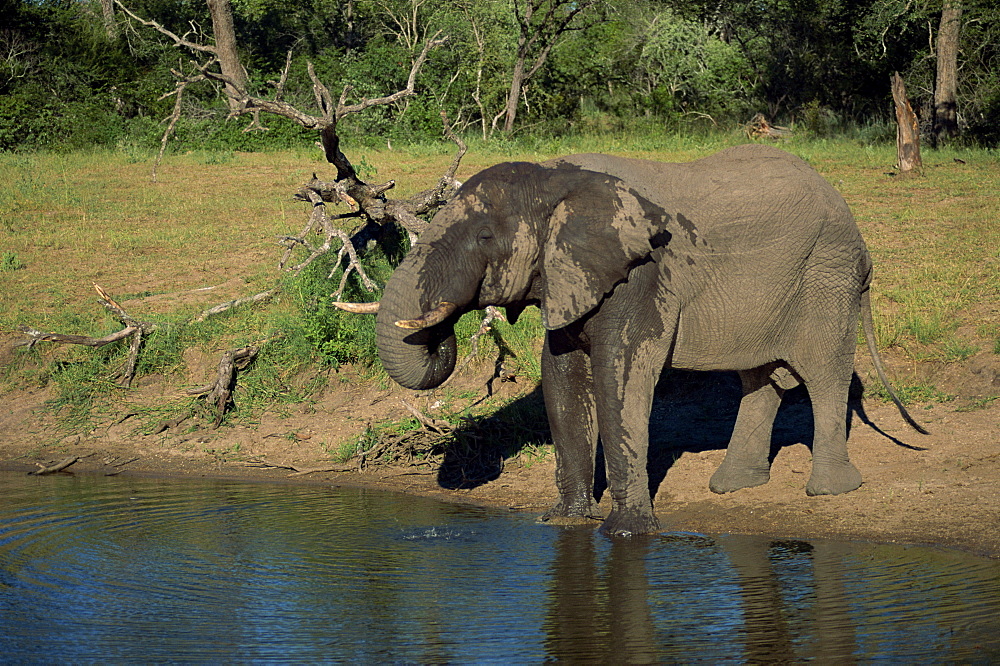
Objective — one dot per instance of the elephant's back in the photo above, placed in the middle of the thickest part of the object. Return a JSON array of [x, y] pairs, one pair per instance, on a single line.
[[739, 176], [734, 186]]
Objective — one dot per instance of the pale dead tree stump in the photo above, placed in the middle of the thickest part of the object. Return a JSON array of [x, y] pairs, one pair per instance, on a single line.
[[760, 128], [219, 393], [907, 130]]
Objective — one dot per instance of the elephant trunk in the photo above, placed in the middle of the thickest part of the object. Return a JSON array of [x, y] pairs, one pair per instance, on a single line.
[[416, 358]]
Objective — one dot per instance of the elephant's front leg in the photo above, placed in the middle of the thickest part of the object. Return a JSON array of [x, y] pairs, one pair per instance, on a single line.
[[569, 400], [623, 384]]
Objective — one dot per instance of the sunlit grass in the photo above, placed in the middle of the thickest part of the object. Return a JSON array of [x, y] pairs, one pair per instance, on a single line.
[[70, 220]]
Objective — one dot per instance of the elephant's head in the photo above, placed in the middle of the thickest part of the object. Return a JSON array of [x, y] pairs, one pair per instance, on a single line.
[[515, 234]]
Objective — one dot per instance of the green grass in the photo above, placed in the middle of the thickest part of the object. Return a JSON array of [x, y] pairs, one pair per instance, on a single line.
[[10, 262], [73, 219]]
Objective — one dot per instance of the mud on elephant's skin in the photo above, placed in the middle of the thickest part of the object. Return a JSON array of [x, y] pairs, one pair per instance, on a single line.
[[746, 260]]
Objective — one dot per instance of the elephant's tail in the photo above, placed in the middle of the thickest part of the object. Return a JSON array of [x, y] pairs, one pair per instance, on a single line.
[[869, 328]]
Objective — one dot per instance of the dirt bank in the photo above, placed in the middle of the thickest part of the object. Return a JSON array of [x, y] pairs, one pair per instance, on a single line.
[[942, 488]]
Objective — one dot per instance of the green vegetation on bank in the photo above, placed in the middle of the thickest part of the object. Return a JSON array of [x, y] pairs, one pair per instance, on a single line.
[[207, 232]]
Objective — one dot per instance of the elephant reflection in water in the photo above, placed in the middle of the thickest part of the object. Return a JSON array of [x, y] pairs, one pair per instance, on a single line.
[[770, 625], [599, 612], [604, 609]]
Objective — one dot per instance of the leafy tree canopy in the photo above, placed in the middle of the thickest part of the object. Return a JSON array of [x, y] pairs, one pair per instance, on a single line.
[[66, 80]]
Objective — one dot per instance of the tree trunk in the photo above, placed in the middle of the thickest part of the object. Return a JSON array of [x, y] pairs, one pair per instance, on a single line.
[[225, 48], [536, 39], [907, 129], [514, 96], [108, 13], [946, 88]]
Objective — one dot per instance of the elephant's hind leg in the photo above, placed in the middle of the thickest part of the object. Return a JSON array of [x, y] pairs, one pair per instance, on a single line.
[[832, 471], [746, 463]]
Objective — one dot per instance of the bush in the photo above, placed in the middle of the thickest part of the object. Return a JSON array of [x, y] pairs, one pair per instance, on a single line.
[[337, 336]]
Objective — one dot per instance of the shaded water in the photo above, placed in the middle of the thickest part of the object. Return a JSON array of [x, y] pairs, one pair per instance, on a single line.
[[93, 569]]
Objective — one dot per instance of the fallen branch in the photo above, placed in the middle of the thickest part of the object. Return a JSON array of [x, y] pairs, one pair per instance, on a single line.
[[759, 127], [235, 303], [435, 425], [299, 471], [36, 336], [133, 328], [57, 467]]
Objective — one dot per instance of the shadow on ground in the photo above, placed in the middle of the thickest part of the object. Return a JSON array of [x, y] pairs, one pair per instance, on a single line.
[[692, 412]]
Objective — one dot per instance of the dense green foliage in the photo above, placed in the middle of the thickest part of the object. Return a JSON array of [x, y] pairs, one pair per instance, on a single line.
[[67, 80]]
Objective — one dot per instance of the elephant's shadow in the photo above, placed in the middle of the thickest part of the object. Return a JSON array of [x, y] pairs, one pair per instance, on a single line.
[[692, 412]]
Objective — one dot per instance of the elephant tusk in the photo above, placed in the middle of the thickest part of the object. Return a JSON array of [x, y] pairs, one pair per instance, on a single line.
[[429, 318], [357, 308]]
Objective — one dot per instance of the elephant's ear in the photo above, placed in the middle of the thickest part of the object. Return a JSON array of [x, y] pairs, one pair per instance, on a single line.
[[596, 235]]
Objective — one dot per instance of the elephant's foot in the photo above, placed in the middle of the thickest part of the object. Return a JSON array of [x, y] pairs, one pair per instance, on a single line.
[[833, 480], [572, 512], [731, 477], [626, 522]]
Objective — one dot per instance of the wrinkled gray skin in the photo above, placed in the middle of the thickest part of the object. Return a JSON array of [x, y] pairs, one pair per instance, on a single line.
[[746, 260]]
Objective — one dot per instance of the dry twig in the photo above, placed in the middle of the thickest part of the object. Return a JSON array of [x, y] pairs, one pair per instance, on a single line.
[[57, 467], [300, 471]]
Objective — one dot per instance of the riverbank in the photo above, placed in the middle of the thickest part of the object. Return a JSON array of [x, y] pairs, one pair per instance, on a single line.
[[158, 249], [940, 489]]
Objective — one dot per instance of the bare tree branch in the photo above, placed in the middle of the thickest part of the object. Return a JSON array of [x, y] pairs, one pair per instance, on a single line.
[[36, 336], [235, 303], [133, 328], [432, 43], [182, 84], [57, 467], [179, 41]]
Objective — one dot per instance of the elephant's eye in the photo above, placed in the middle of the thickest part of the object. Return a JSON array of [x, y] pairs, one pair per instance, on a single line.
[[485, 235]]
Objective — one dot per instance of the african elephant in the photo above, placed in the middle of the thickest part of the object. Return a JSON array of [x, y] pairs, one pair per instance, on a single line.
[[746, 260]]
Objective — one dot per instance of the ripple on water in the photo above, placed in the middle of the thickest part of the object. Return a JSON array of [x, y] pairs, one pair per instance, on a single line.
[[153, 570]]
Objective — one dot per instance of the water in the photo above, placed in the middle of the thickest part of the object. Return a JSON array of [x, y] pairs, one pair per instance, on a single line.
[[128, 570]]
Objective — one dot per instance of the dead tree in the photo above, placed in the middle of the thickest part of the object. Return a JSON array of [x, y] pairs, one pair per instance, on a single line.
[[371, 203], [907, 129], [368, 203]]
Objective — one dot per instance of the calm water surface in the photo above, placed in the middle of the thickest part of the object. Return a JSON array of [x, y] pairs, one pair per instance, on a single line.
[[129, 570]]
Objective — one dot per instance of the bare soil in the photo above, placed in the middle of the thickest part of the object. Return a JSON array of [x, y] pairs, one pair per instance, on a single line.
[[942, 488]]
